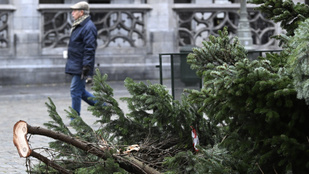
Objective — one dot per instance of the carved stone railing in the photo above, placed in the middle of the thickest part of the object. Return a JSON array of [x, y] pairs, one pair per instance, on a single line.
[[4, 29], [6, 12], [124, 25], [197, 22], [118, 26]]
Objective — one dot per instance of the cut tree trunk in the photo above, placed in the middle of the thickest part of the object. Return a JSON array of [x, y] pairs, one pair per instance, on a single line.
[[21, 129]]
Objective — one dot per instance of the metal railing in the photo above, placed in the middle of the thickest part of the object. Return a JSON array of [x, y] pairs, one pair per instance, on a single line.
[[160, 66]]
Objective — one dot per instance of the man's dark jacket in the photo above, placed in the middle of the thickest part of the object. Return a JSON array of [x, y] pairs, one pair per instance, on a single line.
[[81, 49]]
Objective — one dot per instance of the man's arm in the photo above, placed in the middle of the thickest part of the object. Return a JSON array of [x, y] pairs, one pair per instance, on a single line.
[[90, 44]]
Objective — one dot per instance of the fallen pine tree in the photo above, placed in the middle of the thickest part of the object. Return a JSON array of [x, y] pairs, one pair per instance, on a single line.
[[159, 125]]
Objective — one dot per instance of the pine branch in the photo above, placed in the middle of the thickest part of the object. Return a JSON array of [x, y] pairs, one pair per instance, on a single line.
[[129, 164], [56, 124], [49, 162]]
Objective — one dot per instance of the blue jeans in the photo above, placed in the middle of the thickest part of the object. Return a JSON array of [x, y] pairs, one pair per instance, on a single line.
[[78, 93]]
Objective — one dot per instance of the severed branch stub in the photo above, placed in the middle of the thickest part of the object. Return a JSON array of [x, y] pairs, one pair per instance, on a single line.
[[21, 129], [20, 132]]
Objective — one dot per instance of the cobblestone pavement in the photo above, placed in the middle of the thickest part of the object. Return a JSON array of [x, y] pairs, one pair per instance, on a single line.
[[28, 103]]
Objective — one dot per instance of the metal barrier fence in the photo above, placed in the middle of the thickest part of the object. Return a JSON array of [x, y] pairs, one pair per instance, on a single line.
[[253, 53], [172, 56]]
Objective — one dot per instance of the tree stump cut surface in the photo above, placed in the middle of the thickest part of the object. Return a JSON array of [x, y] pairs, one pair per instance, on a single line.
[[20, 131]]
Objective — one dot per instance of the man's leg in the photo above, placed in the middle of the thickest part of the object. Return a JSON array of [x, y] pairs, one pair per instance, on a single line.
[[77, 88], [86, 98]]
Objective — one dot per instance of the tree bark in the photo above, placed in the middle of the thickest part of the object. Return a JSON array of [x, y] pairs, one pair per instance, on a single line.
[[49, 162], [129, 164], [88, 147]]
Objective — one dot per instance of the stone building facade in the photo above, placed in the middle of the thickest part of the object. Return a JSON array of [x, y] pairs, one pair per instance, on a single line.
[[131, 34]]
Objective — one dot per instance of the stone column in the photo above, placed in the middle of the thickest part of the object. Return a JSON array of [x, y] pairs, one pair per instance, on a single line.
[[162, 26], [244, 31], [26, 28]]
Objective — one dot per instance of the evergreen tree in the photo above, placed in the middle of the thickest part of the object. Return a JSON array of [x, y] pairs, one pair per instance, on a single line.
[[299, 60], [256, 101]]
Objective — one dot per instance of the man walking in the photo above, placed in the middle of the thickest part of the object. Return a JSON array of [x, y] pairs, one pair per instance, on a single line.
[[81, 54]]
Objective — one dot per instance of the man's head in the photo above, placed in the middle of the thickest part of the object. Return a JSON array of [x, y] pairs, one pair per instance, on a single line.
[[79, 9]]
